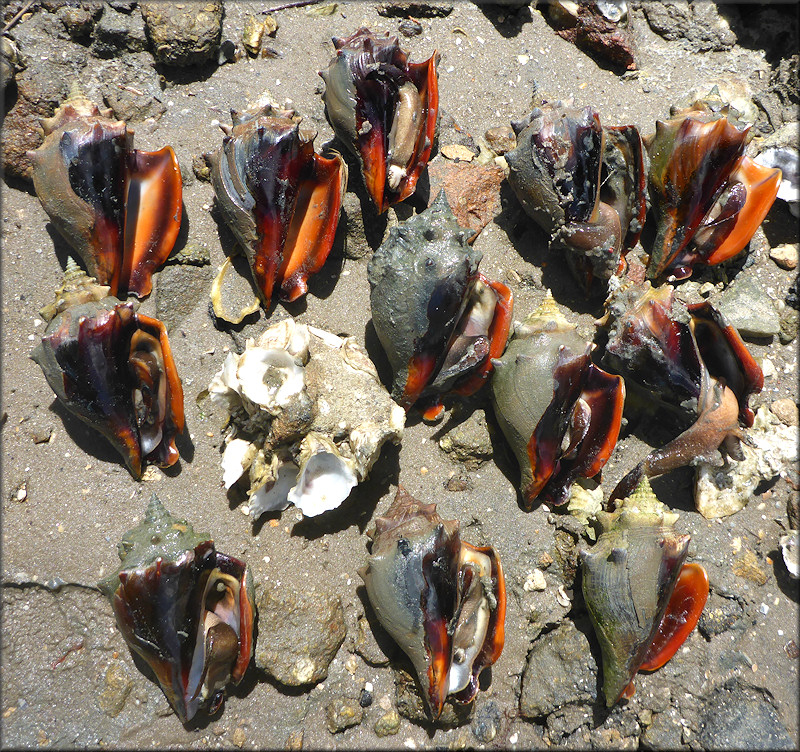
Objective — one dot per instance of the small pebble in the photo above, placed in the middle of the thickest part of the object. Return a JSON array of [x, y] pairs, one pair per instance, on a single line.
[[366, 699], [410, 28], [535, 581], [767, 368], [786, 411], [785, 255]]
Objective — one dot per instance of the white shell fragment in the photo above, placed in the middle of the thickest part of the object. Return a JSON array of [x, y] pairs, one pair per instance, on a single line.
[[306, 418], [789, 548], [770, 449]]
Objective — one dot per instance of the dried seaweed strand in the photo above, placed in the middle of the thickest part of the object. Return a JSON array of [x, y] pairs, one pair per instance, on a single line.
[[19, 14], [295, 4]]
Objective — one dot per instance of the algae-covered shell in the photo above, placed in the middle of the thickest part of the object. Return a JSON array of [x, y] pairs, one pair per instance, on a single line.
[[440, 322], [185, 608]]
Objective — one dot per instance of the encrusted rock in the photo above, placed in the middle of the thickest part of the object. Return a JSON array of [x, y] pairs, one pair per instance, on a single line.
[[699, 24], [178, 291], [486, 722], [771, 450], [746, 566], [299, 633], [117, 32], [744, 720], [341, 713], [79, 20], [560, 670], [368, 647], [719, 615], [410, 705], [184, 34], [469, 441], [117, 685], [472, 190], [388, 724], [785, 410], [132, 87], [501, 139]]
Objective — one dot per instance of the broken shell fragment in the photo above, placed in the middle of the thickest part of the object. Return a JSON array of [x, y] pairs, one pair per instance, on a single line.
[[438, 319], [185, 608], [583, 184], [708, 198], [441, 599], [279, 197], [642, 599], [306, 418], [560, 413], [119, 208], [384, 110], [113, 368]]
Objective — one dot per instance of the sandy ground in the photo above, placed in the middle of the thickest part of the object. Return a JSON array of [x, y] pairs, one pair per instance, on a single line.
[[59, 645]]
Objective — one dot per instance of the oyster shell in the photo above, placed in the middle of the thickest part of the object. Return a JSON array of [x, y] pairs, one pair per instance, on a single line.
[[119, 208], [185, 608], [583, 184], [113, 368], [384, 110], [708, 198], [280, 198], [559, 412], [440, 322], [306, 418], [441, 599], [642, 599]]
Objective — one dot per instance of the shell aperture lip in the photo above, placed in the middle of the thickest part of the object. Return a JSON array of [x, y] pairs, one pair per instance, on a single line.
[[681, 616]]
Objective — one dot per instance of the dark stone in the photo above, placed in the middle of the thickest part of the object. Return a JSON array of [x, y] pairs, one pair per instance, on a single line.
[[365, 700], [299, 633], [487, 722], [719, 615], [698, 24], [184, 34], [404, 8], [410, 28], [742, 720], [179, 289], [560, 670], [116, 32], [341, 713], [79, 20], [665, 732]]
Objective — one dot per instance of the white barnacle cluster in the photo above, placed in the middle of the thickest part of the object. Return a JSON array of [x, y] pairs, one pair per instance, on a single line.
[[307, 418]]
